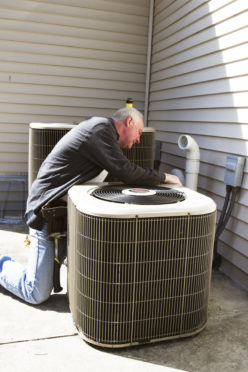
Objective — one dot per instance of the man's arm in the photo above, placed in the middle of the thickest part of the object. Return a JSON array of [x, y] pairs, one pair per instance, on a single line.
[[105, 152]]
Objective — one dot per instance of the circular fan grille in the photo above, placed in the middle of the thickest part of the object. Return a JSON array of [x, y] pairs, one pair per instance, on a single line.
[[138, 195]]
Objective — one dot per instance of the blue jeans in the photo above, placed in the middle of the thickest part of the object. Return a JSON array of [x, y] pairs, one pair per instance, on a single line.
[[34, 283]]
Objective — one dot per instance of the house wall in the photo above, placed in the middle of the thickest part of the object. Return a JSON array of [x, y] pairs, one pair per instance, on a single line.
[[199, 79], [64, 60]]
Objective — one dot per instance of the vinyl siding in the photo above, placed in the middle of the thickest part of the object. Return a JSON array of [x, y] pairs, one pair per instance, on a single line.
[[64, 60], [199, 76]]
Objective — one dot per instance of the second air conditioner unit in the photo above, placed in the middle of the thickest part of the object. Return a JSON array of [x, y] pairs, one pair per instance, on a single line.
[[44, 136], [42, 139]]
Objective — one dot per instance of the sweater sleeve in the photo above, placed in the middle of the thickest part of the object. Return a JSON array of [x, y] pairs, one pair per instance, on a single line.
[[103, 149]]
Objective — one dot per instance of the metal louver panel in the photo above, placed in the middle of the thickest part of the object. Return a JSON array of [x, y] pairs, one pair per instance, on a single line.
[[135, 280], [41, 143], [142, 154]]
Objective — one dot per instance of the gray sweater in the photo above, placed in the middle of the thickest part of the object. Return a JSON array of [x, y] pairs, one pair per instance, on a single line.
[[78, 157]]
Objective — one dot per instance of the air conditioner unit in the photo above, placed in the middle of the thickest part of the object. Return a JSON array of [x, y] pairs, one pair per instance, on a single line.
[[42, 139], [139, 262]]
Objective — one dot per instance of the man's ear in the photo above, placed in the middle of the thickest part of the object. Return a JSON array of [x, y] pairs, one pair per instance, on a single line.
[[128, 121]]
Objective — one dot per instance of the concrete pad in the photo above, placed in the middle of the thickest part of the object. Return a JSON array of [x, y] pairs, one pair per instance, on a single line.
[[68, 354], [221, 346], [43, 337], [20, 321]]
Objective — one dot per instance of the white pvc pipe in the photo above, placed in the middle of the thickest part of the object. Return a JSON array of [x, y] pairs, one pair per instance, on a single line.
[[192, 166]]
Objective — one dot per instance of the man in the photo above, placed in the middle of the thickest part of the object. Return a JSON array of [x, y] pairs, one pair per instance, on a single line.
[[93, 145]]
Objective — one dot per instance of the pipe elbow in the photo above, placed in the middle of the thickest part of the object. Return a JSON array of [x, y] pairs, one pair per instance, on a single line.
[[188, 143]]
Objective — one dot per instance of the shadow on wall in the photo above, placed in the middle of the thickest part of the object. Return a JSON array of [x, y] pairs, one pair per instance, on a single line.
[[198, 87]]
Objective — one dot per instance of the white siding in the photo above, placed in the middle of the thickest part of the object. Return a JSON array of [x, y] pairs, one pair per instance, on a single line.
[[63, 60], [199, 77]]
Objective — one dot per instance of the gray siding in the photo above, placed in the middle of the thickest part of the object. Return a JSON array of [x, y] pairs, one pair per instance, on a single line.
[[199, 76], [63, 60]]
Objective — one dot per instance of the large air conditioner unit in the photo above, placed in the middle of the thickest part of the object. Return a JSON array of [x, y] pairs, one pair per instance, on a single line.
[[139, 262], [42, 139]]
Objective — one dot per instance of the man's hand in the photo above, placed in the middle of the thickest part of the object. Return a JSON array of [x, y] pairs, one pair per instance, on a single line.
[[171, 178]]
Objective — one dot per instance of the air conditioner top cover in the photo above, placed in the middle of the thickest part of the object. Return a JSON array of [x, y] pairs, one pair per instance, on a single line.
[[51, 125], [137, 201], [148, 130]]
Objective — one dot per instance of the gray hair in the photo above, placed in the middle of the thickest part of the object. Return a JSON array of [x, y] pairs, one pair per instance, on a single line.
[[127, 111]]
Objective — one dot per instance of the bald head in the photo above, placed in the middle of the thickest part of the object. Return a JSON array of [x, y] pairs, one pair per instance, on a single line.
[[127, 111]]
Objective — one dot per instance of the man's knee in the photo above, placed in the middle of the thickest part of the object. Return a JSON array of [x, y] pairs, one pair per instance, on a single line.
[[37, 300], [39, 294]]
